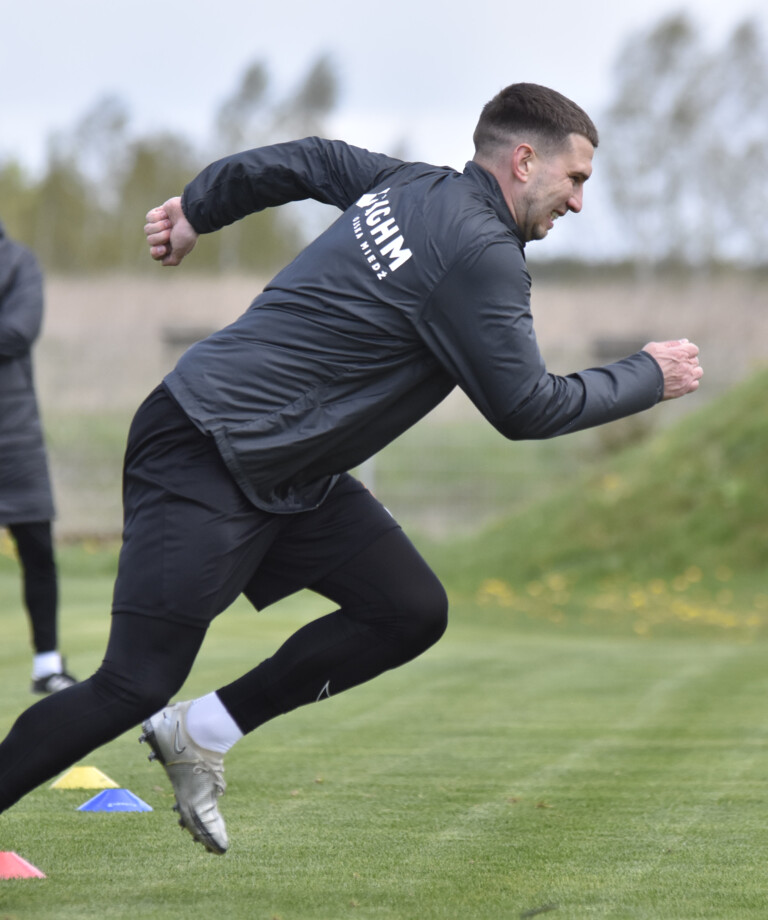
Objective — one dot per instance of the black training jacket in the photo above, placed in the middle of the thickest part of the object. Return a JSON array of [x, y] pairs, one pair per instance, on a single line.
[[420, 285]]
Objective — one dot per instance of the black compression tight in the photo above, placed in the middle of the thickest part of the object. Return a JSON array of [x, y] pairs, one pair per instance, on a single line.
[[392, 608], [34, 543], [146, 662]]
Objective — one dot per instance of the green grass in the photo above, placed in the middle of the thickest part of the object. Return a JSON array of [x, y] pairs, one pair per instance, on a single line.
[[587, 741], [510, 769], [449, 476], [671, 531]]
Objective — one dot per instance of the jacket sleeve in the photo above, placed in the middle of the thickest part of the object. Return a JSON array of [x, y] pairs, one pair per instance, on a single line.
[[479, 325], [328, 171], [21, 300]]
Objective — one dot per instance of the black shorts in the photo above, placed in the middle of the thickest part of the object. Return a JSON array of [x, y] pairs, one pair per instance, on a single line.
[[193, 542]]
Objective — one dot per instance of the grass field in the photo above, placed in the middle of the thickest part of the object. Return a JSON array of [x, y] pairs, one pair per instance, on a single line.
[[515, 769], [588, 739]]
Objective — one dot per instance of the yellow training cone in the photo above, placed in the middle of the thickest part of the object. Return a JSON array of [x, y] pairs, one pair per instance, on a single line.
[[84, 778]]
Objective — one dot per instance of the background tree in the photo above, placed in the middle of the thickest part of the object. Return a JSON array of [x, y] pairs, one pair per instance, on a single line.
[[85, 211], [737, 157], [17, 194], [156, 166], [65, 215], [304, 112], [251, 117], [686, 145], [243, 118]]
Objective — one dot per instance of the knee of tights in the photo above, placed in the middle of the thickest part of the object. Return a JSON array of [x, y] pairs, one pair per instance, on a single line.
[[425, 618], [143, 696]]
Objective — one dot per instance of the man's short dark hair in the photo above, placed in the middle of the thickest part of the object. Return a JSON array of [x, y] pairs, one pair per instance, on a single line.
[[527, 108]]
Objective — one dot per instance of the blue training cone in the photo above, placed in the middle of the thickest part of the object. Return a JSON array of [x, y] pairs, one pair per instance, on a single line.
[[115, 800]]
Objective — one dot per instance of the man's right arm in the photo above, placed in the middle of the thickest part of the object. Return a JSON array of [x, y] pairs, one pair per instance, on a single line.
[[331, 172], [231, 188], [169, 234]]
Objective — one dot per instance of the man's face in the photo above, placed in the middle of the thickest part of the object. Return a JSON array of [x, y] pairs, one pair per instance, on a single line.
[[555, 186]]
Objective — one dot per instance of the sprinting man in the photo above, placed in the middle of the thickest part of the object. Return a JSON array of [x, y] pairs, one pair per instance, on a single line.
[[236, 466]]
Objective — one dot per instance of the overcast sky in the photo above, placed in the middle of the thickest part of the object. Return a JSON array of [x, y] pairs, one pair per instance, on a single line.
[[411, 72]]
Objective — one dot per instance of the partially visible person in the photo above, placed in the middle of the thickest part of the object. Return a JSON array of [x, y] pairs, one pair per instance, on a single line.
[[26, 499]]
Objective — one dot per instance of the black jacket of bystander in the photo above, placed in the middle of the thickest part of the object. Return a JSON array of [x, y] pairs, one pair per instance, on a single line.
[[25, 489]]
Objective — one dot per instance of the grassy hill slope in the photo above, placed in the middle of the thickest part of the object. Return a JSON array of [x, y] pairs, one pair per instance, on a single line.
[[684, 515]]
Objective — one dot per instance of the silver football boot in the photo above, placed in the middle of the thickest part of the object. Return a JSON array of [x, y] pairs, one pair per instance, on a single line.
[[196, 774]]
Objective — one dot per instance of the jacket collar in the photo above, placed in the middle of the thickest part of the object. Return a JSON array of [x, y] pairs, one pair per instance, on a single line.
[[491, 190]]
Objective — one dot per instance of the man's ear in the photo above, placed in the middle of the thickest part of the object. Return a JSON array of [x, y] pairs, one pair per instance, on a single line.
[[523, 157]]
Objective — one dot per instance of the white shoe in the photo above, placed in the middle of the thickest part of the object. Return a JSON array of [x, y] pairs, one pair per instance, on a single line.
[[196, 774]]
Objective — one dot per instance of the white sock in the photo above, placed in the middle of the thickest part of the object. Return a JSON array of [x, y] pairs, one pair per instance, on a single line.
[[210, 725], [46, 663]]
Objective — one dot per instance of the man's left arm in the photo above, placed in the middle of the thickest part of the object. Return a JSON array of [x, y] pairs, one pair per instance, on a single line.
[[678, 361], [480, 327]]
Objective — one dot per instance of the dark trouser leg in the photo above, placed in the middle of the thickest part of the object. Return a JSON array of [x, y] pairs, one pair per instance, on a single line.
[[146, 662], [392, 608], [34, 543]]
